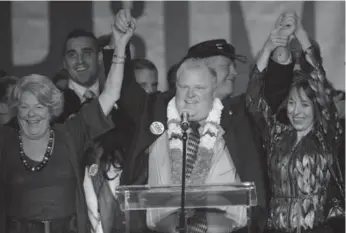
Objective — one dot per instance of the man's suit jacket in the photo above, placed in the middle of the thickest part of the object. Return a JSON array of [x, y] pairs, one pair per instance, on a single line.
[[241, 136], [119, 137]]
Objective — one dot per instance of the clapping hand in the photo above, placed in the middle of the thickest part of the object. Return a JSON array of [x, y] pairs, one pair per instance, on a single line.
[[291, 26], [123, 28], [275, 40], [301, 34], [285, 27], [287, 24], [282, 34]]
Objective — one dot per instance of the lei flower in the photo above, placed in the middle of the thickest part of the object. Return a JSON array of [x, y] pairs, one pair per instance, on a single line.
[[209, 132]]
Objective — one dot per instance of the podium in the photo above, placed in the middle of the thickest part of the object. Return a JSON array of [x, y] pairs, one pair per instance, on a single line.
[[166, 199]]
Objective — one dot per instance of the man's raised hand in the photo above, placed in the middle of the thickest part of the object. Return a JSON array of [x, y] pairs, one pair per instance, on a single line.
[[123, 28]]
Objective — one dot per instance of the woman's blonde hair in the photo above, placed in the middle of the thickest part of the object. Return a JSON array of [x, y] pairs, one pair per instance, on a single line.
[[43, 88]]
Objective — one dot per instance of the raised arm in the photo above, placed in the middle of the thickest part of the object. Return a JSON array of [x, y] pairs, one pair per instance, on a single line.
[[267, 69], [330, 134], [133, 97], [325, 92], [330, 124], [93, 120], [112, 90], [279, 74]]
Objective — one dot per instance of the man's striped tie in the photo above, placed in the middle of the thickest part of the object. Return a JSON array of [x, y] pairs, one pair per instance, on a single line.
[[196, 223], [88, 96], [191, 150]]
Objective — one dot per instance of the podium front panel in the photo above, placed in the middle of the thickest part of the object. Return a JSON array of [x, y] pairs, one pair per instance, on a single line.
[[161, 201], [197, 196]]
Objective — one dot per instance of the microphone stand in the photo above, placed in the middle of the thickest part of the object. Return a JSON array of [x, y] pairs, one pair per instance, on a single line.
[[182, 216]]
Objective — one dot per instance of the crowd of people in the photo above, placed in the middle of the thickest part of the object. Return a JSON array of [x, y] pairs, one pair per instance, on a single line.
[[67, 142]]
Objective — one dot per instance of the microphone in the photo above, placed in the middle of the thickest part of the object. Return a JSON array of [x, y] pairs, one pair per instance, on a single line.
[[184, 124]]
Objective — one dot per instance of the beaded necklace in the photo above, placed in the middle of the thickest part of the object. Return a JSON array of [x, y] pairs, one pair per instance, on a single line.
[[43, 163]]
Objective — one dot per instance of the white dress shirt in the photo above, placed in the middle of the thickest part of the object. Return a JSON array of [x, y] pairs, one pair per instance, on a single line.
[[221, 171], [80, 90]]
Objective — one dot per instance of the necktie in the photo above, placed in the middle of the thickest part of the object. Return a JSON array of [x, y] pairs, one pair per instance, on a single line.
[[88, 96], [196, 223], [192, 149]]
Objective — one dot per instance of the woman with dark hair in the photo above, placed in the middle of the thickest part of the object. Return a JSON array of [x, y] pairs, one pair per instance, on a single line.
[[104, 163], [307, 190]]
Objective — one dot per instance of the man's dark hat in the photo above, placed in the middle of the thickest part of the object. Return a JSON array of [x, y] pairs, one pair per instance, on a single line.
[[216, 47]]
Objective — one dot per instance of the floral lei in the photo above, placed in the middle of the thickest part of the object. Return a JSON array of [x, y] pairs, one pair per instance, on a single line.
[[210, 130]]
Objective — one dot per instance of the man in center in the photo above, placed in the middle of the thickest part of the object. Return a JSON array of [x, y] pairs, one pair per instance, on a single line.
[[225, 149], [209, 161]]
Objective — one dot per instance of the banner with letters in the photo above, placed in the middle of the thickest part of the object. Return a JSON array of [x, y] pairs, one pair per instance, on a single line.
[[32, 33]]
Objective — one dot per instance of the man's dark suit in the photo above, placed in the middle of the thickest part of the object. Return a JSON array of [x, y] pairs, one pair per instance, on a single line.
[[121, 135], [241, 137]]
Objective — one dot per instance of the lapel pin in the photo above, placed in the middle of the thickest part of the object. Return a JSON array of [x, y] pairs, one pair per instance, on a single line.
[[230, 113], [71, 115], [93, 169], [156, 128]]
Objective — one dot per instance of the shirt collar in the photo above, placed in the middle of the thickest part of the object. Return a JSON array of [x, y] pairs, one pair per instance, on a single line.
[[80, 90]]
